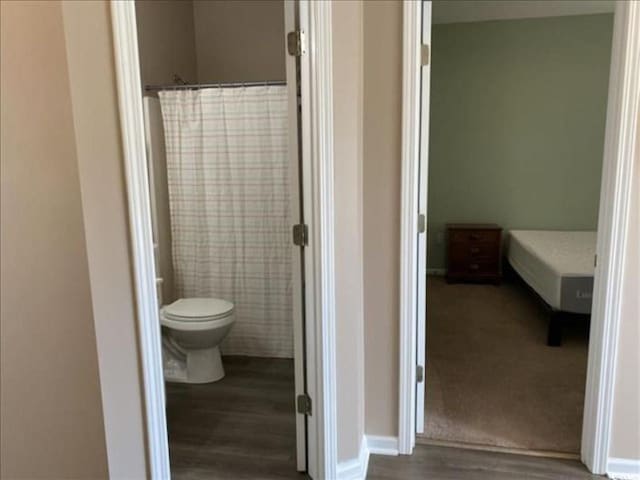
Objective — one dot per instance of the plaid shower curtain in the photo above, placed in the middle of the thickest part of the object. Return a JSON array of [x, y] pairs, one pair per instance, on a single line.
[[228, 175]]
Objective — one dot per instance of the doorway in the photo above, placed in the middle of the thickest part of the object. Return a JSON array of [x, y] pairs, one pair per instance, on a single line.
[[224, 180], [312, 21], [512, 211], [412, 263]]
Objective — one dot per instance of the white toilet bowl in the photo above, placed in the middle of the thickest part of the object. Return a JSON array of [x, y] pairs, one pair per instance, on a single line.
[[194, 328]]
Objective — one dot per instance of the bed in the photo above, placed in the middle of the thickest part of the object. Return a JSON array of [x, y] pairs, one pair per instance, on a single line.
[[559, 267]]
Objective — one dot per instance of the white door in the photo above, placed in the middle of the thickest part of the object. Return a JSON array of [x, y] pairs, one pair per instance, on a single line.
[[422, 207], [297, 215]]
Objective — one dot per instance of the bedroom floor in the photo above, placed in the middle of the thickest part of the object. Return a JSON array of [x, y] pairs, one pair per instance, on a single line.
[[491, 379]]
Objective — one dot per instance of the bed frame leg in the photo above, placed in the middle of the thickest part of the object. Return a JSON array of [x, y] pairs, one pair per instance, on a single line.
[[554, 336]]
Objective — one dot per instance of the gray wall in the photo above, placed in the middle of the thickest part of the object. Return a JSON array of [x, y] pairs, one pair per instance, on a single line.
[[518, 112]]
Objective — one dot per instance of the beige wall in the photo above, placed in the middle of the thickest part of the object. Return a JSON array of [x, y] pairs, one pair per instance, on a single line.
[[239, 41], [100, 161], [625, 433], [166, 40], [347, 80], [381, 196], [211, 40], [51, 420], [51, 404]]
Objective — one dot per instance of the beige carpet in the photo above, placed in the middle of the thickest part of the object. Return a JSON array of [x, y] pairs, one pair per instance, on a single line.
[[491, 378]]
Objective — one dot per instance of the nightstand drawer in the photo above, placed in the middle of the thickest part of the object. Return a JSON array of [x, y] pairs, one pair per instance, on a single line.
[[475, 236], [474, 265], [464, 252], [482, 267]]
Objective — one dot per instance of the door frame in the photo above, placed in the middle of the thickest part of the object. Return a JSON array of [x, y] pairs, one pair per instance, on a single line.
[[409, 209], [317, 164], [615, 198]]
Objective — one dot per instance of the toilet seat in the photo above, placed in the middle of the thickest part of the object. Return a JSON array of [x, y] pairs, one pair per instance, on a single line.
[[197, 309], [197, 313]]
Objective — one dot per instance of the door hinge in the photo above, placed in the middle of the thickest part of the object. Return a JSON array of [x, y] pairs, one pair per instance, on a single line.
[[419, 373], [424, 55], [304, 404], [595, 261], [422, 223], [295, 43], [300, 235]]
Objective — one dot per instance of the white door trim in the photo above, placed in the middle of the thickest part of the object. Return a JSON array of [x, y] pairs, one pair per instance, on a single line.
[[317, 119], [421, 312], [133, 142], [412, 41], [317, 167], [615, 197]]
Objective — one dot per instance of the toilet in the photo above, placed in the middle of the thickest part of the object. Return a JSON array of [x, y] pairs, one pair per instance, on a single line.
[[192, 333]]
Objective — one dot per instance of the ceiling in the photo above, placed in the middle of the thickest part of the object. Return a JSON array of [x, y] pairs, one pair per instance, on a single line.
[[456, 11]]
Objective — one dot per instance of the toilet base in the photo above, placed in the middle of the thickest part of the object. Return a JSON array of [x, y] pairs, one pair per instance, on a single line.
[[204, 366], [194, 366]]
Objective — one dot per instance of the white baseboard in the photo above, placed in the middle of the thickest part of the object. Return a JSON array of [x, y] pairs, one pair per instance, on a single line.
[[356, 468], [379, 445], [623, 469], [438, 272]]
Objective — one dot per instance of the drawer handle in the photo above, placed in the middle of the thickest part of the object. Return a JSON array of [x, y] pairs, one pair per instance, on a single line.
[[474, 236], [474, 266], [474, 249]]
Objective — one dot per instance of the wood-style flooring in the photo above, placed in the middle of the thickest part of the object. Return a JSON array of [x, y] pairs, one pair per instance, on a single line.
[[430, 462], [242, 427]]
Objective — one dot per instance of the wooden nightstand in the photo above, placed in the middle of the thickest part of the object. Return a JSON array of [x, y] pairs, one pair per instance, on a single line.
[[473, 252]]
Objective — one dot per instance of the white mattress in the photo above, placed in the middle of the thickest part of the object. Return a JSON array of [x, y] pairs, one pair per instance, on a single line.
[[558, 265]]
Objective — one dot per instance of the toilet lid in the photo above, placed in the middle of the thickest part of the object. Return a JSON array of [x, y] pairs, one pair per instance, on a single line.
[[197, 309]]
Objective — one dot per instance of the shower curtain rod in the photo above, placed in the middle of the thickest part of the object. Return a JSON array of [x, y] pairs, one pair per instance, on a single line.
[[198, 86]]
